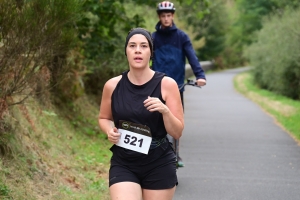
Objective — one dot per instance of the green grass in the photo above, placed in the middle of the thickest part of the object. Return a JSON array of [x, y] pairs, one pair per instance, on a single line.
[[284, 110], [54, 153], [4, 192]]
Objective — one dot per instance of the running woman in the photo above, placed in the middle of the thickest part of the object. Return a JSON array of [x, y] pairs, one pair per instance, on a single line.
[[138, 109]]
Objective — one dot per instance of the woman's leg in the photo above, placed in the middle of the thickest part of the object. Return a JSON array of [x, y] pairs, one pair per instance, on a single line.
[[160, 182], [166, 194], [125, 191]]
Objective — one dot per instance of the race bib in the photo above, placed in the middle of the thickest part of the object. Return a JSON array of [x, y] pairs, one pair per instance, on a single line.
[[135, 137]]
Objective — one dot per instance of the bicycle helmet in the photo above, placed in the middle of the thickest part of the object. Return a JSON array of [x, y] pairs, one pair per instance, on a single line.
[[165, 6]]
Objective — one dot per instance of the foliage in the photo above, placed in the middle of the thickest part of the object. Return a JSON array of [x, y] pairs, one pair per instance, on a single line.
[[215, 25], [97, 27], [247, 22], [281, 5], [102, 30], [33, 36], [250, 18], [242, 28], [194, 15], [276, 54], [193, 11], [71, 86]]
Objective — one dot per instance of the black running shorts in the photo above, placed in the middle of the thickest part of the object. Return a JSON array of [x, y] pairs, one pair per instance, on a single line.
[[155, 175]]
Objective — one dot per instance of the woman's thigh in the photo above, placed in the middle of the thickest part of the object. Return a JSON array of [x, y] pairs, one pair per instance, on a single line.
[[125, 191], [161, 174], [166, 194]]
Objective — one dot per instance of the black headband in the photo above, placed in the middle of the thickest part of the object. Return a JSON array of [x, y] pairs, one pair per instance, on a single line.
[[142, 31]]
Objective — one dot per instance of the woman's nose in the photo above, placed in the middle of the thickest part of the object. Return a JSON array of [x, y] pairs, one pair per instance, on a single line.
[[138, 49]]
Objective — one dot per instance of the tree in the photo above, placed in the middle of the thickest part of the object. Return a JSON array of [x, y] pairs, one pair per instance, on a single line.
[[214, 30], [32, 34]]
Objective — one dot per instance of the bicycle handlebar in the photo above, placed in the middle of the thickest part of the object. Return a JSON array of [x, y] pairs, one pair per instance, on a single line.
[[189, 82]]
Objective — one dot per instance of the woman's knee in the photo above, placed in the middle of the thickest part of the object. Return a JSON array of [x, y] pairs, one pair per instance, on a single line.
[[166, 194], [125, 191]]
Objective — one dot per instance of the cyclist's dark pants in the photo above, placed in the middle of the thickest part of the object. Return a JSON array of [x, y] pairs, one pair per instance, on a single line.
[[181, 95], [175, 143]]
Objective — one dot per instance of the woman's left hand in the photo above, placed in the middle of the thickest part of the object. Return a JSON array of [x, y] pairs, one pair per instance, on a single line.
[[154, 104]]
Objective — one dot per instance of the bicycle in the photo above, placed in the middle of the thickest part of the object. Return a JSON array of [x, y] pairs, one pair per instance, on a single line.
[[174, 142], [189, 82]]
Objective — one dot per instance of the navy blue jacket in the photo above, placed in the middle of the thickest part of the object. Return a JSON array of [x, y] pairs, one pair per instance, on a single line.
[[171, 47]]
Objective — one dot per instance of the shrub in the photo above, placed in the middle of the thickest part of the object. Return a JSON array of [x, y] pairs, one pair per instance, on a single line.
[[34, 39], [276, 54]]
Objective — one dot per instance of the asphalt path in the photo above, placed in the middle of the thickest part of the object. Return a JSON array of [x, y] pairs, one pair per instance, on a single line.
[[232, 149]]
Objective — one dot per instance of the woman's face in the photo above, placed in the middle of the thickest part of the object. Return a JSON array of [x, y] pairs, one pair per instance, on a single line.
[[138, 51]]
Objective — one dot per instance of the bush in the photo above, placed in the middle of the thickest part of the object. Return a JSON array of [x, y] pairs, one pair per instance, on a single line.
[[276, 54], [35, 36]]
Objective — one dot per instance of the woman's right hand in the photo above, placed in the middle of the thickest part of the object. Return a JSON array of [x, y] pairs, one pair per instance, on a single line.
[[113, 135]]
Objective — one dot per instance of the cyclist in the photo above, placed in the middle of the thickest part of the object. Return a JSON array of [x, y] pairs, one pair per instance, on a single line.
[[143, 105], [171, 47]]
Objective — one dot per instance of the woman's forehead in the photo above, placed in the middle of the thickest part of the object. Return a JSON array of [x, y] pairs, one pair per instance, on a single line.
[[138, 38]]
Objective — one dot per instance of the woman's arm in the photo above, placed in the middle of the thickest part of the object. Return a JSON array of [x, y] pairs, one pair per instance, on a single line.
[[105, 119], [173, 119], [172, 111]]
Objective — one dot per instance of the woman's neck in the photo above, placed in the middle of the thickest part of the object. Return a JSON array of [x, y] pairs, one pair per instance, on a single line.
[[140, 77]]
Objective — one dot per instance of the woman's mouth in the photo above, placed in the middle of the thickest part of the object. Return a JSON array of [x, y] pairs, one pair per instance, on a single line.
[[138, 59]]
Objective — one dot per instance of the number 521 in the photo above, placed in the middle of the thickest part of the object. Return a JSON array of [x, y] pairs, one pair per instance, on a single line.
[[132, 140]]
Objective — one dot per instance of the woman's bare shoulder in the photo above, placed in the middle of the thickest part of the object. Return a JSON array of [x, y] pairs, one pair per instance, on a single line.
[[168, 87], [168, 83], [112, 83]]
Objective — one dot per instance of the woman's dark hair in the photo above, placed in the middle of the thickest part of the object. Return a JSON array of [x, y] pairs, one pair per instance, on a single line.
[[142, 31]]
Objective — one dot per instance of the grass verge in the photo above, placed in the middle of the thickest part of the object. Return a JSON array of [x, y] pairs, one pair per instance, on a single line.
[[50, 153], [285, 111]]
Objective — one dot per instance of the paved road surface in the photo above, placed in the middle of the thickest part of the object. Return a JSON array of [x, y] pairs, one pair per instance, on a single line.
[[232, 149]]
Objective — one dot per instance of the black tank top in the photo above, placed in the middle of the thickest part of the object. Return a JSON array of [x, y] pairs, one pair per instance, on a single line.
[[127, 104]]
